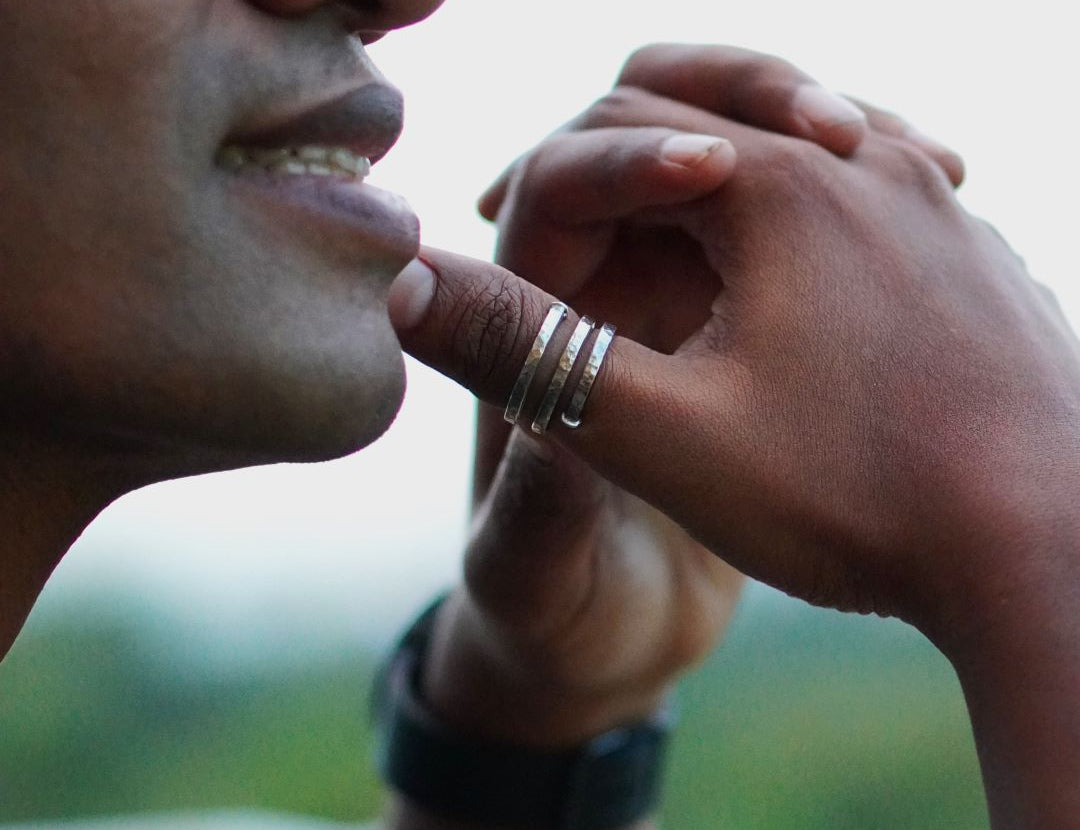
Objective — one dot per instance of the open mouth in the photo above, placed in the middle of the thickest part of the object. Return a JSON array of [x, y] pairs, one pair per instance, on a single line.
[[309, 160], [308, 171]]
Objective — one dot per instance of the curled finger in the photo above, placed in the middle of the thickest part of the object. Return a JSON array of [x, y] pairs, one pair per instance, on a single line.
[[750, 87], [891, 124]]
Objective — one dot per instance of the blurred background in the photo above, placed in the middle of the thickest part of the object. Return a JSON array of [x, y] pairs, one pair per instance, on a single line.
[[209, 643]]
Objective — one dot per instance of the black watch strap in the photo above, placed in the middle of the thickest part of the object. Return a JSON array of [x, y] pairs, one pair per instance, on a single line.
[[611, 781]]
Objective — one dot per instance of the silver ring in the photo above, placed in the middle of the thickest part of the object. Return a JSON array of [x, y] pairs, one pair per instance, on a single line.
[[562, 372], [572, 416], [555, 315]]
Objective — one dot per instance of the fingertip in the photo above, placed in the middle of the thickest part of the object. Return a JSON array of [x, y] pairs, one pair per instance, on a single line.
[[691, 149], [951, 163], [489, 203], [703, 154], [411, 295], [829, 119], [491, 200], [843, 139], [955, 169], [949, 160], [479, 324]]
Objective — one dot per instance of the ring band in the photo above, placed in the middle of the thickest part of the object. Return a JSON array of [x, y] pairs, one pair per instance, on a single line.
[[556, 314], [572, 416], [562, 372]]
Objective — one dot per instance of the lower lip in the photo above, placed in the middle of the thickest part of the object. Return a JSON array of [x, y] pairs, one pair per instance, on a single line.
[[379, 221]]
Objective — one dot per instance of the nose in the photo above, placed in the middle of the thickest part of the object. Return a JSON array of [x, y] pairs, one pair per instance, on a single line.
[[369, 17]]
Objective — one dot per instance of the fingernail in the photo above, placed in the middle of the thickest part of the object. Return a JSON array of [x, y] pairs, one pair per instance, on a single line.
[[411, 294], [690, 149], [823, 108]]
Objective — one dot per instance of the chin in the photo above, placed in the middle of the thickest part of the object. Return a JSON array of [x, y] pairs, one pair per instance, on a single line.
[[327, 418], [354, 421], [326, 405]]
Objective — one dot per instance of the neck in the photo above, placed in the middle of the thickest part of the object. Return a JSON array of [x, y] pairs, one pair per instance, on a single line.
[[48, 495]]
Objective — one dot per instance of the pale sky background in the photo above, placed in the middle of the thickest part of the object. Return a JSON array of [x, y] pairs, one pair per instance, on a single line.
[[291, 559]]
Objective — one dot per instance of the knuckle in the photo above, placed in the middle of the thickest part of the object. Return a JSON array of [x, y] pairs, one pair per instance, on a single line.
[[612, 109], [486, 330], [547, 179], [769, 67], [531, 181], [887, 122], [911, 167], [751, 71], [797, 170], [643, 59], [789, 156]]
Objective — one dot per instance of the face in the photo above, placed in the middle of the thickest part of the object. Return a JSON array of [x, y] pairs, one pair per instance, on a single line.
[[189, 262]]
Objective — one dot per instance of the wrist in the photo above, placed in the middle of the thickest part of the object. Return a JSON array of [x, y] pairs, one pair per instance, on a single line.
[[1028, 627], [1021, 680], [1018, 662], [445, 778], [498, 689], [1020, 589], [1009, 556]]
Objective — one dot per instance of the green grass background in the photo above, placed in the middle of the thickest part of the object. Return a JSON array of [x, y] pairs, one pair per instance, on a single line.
[[803, 719]]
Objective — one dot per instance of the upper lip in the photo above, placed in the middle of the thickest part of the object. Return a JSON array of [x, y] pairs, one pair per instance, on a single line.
[[366, 120]]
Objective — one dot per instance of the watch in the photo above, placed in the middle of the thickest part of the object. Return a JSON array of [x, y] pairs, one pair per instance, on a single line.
[[610, 781]]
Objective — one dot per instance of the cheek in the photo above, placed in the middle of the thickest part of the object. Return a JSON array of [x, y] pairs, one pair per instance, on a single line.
[[199, 331], [89, 124], [97, 83], [81, 56], [135, 299]]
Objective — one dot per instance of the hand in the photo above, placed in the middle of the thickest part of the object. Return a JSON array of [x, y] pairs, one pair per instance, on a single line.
[[879, 411], [582, 603], [876, 403], [586, 215]]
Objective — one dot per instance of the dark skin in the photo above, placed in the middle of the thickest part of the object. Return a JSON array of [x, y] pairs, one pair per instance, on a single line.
[[147, 302], [878, 411], [577, 588], [582, 605], [158, 322], [134, 340]]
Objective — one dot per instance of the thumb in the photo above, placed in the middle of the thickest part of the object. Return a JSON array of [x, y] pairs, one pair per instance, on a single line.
[[476, 322], [529, 562]]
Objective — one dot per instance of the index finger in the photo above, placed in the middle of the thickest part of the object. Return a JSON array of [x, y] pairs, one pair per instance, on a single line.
[[756, 89], [750, 87], [476, 322]]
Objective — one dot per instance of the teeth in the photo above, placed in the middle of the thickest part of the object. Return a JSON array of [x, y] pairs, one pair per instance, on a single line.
[[300, 161], [318, 155], [270, 158], [232, 158], [287, 165], [357, 165]]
